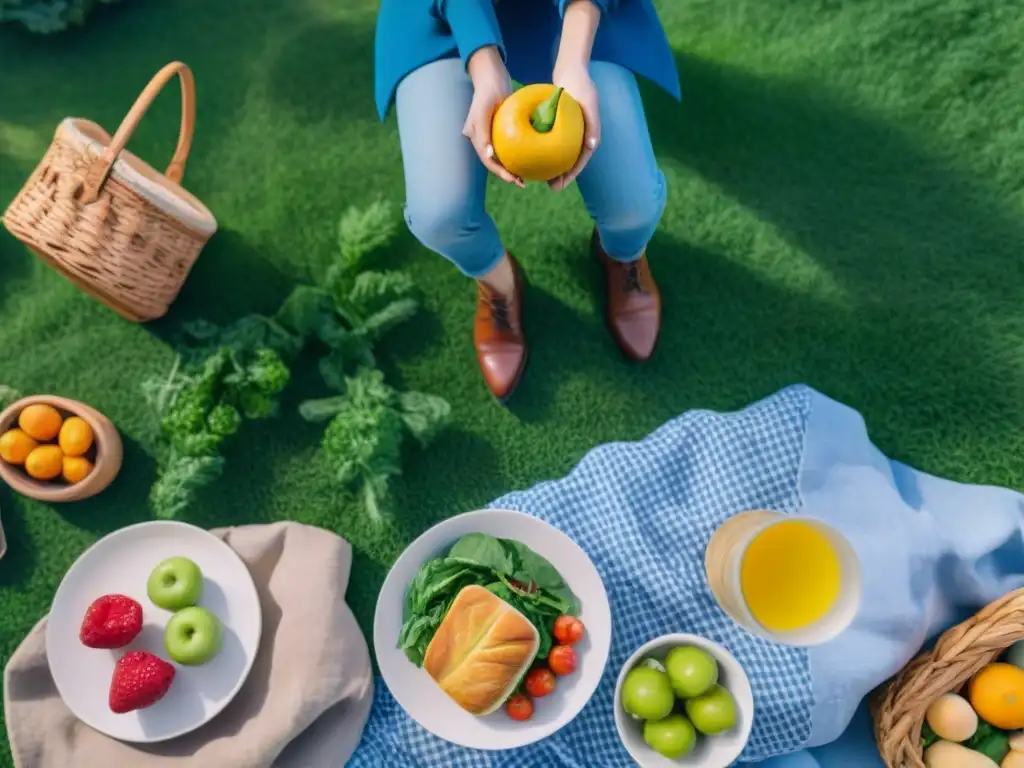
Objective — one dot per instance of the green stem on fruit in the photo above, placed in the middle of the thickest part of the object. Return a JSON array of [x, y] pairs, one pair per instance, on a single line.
[[543, 117]]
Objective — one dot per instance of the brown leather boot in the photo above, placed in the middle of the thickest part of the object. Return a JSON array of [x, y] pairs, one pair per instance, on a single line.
[[498, 336], [633, 309]]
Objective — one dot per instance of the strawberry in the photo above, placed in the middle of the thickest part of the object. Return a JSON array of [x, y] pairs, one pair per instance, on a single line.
[[112, 621], [140, 680]]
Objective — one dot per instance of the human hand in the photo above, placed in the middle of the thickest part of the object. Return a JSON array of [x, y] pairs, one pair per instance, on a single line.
[[491, 86], [575, 79]]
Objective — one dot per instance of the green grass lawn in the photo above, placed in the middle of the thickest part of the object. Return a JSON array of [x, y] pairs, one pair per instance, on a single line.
[[846, 210]]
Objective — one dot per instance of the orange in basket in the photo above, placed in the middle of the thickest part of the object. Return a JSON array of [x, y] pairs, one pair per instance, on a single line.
[[997, 695], [959, 654]]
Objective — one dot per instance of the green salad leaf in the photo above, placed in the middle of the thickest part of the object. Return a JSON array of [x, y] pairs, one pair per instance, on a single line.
[[508, 569], [990, 741], [483, 550], [928, 736]]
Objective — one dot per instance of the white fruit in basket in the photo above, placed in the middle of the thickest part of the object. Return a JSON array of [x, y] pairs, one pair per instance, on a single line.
[[946, 754], [1017, 741], [952, 718]]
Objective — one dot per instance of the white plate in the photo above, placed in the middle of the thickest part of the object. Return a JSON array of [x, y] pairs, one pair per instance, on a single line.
[[431, 707], [121, 563], [711, 751]]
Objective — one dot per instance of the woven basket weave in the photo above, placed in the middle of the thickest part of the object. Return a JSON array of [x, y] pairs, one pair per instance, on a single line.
[[124, 233], [959, 653]]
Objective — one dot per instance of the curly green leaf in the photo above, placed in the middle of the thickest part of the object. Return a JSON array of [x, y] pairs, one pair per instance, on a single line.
[[322, 409], [360, 232], [332, 370], [424, 415], [372, 291], [248, 333], [367, 389], [224, 420], [379, 323], [179, 481], [306, 311]]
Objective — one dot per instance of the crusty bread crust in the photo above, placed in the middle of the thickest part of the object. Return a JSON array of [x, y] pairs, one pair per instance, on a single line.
[[480, 650]]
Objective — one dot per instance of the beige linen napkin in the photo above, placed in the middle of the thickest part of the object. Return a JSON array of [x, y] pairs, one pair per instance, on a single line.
[[304, 704]]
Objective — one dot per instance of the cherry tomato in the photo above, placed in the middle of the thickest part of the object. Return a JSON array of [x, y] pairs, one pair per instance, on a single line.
[[568, 630], [540, 682], [519, 707], [562, 660]]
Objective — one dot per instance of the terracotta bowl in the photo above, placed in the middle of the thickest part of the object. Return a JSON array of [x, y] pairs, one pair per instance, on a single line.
[[106, 453]]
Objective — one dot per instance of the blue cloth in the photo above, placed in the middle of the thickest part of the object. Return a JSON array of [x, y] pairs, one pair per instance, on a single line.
[[645, 511], [445, 183], [411, 33]]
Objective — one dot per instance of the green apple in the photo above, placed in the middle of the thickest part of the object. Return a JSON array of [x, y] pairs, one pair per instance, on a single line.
[[193, 636], [692, 671], [713, 712], [175, 584], [672, 736], [647, 693]]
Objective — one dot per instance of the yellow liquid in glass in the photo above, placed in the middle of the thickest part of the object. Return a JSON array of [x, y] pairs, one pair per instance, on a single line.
[[790, 576]]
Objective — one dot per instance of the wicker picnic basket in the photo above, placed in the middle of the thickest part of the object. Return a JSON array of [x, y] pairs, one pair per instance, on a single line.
[[121, 231], [959, 653]]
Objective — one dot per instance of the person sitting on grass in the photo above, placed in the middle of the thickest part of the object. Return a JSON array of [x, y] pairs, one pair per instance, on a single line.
[[446, 65]]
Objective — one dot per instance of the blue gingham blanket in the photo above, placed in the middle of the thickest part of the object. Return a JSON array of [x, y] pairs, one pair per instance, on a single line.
[[645, 511]]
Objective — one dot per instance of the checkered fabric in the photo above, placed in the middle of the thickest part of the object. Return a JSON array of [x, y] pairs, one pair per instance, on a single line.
[[644, 513]]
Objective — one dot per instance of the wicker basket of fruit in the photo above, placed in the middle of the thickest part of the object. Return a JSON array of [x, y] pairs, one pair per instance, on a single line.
[[961, 704], [56, 449]]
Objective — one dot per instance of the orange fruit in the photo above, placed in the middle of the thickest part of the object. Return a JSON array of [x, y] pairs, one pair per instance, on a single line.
[[537, 132], [15, 446], [76, 468], [40, 422], [997, 694], [75, 436], [45, 462]]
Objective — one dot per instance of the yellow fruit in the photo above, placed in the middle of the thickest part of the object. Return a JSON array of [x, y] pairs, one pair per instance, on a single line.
[[76, 468], [1013, 759], [15, 446], [40, 422], [946, 754], [537, 132], [75, 436], [997, 694], [952, 718], [45, 462]]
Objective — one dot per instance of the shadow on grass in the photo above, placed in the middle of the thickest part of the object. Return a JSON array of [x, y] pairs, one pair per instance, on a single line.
[[20, 558], [324, 73], [229, 279], [123, 503], [15, 263], [927, 260], [216, 40], [363, 599], [923, 260]]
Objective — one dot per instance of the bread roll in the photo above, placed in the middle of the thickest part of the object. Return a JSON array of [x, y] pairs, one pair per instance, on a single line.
[[481, 650]]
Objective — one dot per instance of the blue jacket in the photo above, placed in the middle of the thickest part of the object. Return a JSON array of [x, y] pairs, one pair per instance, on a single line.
[[411, 33]]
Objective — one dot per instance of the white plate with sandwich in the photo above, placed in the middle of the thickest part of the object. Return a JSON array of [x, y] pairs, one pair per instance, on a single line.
[[492, 630]]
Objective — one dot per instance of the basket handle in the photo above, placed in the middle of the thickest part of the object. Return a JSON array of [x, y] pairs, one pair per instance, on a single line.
[[99, 170]]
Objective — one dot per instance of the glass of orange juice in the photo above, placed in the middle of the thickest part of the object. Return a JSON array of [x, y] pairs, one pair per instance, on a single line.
[[790, 579]]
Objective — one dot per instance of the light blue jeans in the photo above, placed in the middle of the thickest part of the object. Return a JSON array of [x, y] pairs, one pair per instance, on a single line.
[[445, 182]]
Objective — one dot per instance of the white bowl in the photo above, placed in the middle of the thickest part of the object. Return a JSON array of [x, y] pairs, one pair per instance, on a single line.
[[423, 699], [121, 563], [711, 751]]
